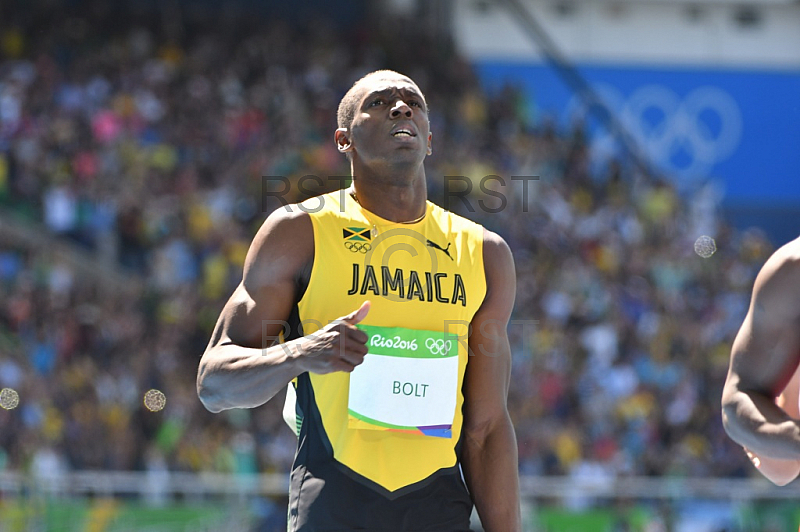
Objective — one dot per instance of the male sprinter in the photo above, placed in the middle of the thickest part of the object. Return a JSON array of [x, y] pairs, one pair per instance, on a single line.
[[401, 365], [760, 399]]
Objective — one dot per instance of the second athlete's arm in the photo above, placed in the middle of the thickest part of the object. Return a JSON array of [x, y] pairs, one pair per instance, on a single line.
[[765, 354]]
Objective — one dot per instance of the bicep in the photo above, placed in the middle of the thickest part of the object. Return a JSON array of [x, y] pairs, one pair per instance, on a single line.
[[766, 351], [758, 362], [258, 310], [256, 322], [487, 376]]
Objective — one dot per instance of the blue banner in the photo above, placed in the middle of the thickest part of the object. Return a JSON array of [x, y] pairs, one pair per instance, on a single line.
[[741, 127]]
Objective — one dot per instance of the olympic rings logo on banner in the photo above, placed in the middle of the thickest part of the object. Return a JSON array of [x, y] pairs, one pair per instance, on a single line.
[[358, 247], [437, 346], [685, 136]]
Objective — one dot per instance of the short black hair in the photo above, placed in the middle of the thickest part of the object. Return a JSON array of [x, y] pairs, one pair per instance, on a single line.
[[347, 107]]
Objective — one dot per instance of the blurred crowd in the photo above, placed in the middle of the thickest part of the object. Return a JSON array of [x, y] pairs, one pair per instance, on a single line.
[[148, 144]]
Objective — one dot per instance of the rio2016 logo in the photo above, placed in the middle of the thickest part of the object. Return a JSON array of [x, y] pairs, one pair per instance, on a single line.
[[395, 342]]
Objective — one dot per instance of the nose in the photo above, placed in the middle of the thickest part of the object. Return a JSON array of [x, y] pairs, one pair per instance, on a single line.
[[401, 109]]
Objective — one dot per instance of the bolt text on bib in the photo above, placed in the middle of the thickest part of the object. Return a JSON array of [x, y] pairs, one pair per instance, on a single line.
[[414, 389]]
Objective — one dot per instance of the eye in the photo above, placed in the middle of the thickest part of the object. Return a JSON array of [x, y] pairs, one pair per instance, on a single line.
[[414, 103], [376, 102]]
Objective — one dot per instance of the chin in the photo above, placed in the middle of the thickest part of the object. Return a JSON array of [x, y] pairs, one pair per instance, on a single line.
[[407, 155]]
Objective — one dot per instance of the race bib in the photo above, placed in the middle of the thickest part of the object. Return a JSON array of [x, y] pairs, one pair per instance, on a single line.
[[408, 382]]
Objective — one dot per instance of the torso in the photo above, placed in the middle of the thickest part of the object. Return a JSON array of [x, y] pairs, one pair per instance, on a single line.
[[422, 279]]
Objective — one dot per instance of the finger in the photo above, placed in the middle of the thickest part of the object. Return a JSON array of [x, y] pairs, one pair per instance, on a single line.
[[346, 362], [352, 352], [356, 351], [344, 365], [357, 315], [357, 335]]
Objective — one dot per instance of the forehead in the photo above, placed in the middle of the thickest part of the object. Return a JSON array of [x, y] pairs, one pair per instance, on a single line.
[[388, 83]]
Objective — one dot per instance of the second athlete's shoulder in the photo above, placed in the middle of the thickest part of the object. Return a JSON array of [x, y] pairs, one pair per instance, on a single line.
[[789, 253], [777, 285], [784, 263]]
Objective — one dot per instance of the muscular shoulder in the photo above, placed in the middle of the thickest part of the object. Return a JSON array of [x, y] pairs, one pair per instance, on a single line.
[[496, 250], [786, 260], [283, 246], [777, 287], [495, 243]]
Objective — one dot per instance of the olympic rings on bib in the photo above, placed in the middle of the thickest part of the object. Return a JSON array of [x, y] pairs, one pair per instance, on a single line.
[[438, 346], [358, 247]]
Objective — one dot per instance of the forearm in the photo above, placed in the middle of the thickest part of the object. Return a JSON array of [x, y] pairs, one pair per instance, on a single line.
[[756, 422], [231, 376], [491, 471]]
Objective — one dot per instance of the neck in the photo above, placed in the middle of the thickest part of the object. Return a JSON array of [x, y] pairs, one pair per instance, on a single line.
[[396, 198]]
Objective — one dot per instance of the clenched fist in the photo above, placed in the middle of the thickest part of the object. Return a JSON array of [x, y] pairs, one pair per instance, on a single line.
[[339, 346]]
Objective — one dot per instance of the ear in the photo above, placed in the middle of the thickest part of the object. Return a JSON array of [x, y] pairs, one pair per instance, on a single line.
[[342, 138], [430, 150]]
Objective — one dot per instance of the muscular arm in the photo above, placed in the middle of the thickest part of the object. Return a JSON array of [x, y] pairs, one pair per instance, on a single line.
[[490, 447], [765, 355], [240, 367]]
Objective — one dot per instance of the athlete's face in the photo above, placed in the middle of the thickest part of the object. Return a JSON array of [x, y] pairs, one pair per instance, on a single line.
[[391, 122]]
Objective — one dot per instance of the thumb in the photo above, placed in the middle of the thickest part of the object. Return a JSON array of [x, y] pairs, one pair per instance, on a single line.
[[357, 315]]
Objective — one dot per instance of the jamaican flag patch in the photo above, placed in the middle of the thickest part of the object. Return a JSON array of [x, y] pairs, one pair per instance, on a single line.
[[356, 234]]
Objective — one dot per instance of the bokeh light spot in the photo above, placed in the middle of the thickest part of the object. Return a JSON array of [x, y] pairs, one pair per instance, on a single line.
[[9, 398], [705, 246], [155, 400]]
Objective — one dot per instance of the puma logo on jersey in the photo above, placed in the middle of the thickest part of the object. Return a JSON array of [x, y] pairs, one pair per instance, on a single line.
[[446, 250]]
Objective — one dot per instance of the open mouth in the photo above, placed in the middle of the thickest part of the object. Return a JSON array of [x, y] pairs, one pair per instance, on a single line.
[[403, 133]]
